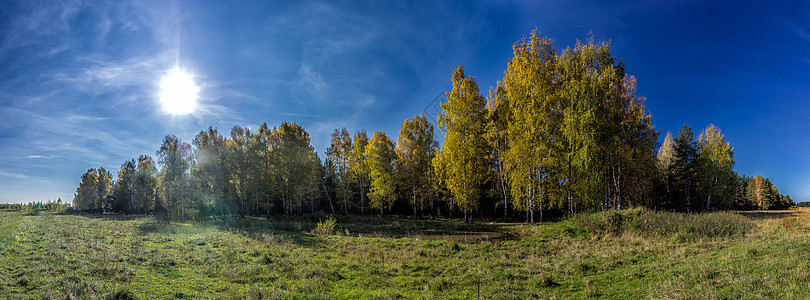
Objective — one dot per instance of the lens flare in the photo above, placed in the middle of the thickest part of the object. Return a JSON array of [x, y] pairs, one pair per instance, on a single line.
[[178, 93]]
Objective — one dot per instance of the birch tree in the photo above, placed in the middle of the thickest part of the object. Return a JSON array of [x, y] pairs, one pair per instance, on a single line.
[[381, 158], [463, 121]]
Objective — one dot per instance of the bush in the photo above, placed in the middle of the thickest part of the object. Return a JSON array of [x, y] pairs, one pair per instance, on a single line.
[[325, 226]]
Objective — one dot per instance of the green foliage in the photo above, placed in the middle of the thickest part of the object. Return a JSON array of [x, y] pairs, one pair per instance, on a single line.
[[381, 158], [300, 167], [325, 226], [464, 152], [666, 154], [719, 180], [578, 136], [685, 169], [498, 118], [124, 190], [339, 153], [358, 166], [145, 194], [95, 191], [175, 196], [210, 169], [415, 152]]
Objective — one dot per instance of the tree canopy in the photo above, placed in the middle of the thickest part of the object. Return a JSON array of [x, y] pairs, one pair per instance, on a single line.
[[562, 132]]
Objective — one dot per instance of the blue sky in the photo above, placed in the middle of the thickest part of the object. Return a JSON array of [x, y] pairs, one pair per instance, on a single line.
[[79, 79]]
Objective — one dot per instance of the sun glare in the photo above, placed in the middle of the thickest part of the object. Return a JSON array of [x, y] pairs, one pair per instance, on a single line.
[[178, 93]]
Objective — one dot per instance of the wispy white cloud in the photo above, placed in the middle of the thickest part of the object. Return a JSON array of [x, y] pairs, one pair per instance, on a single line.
[[13, 175]]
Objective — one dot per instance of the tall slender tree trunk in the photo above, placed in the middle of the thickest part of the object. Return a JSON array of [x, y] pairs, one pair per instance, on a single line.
[[617, 191], [709, 202], [430, 197], [531, 205], [503, 190], [688, 201], [709, 199], [362, 197], [421, 205], [570, 203], [569, 188], [607, 203], [345, 201], [325, 191], [527, 206], [413, 190]]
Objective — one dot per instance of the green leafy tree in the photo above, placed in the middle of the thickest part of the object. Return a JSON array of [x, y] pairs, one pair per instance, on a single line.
[[604, 141], [175, 157], [210, 171], [268, 175], [328, 181], [338, 154], [415, 151], [463, 123], [498, 118], [238, 164], [755, 191], [300, 168], [105, 189], [666, 154], [87, 193], [381, 158], [357, 165], [125, 188], [685, 168], [578, 135], [717, 157], [144, 196], [536, 119], [666, 158]]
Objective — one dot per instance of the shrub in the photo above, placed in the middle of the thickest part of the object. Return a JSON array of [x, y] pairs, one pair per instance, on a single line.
[[325, 226]]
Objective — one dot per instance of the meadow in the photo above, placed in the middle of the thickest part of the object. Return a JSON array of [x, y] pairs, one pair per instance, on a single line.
[[632, 253]]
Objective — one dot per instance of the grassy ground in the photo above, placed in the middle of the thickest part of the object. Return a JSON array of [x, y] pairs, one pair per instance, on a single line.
[[626, 254]]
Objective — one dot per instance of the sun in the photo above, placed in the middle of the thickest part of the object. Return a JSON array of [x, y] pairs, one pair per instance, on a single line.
[[178, 93]]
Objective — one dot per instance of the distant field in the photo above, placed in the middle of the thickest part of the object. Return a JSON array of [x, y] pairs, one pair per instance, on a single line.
[[626, 254]]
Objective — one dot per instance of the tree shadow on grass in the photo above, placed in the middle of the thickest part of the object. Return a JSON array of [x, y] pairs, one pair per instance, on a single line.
[[261, 230], [763, 215], [297, 229], [107, 216], [390, 227]]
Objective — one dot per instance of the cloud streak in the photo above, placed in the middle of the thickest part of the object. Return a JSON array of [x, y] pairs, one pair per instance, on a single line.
[[13, 175]]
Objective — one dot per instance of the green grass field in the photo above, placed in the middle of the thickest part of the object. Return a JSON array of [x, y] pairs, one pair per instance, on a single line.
[[626, 254]]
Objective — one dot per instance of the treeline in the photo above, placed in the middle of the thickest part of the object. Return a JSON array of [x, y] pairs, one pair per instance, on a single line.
[[563, 132], [261, 172], [56, 205], [697, 175]]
